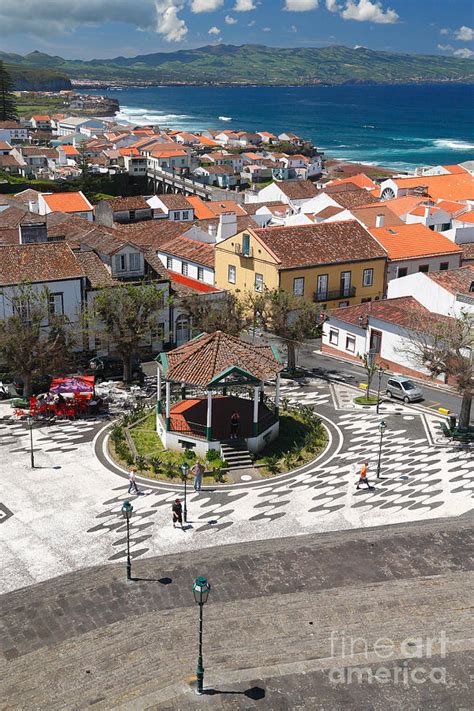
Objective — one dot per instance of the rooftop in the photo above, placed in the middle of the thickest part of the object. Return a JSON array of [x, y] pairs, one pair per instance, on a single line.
[[297, 189], [456, 281], [38, 263], [67, 202], [412, 241], [190, 249], [442, 187], [403, 311], [175, 202]]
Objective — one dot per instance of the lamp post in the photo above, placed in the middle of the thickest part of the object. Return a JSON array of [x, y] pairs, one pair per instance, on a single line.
[[201, 590], [380, 372], [127, 510], [32, 452], [382, 428], [185, 470]]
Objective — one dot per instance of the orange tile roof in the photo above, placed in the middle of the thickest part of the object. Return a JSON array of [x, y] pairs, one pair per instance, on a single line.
[[451, 207], [466, 217], [403, 205], [41, 118], [217, 207], [205, 141], [402, 310], [361, 180], [412, 241], [67, 202], [455, 169], [168, 154], [37, 263], [442, 187], [69, 150], [201, 211], [419, 211]]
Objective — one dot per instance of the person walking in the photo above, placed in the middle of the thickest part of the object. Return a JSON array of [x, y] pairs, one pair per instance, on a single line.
[[234, 425], [177, 511], [363, 476], [198, 471], [132, 484]]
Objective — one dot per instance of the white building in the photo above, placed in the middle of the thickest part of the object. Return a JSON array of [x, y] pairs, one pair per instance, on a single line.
[[447, 292]]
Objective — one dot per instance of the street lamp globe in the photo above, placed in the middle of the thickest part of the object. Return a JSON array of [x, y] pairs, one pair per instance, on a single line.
[[383, 426], [127, 509], [185, 469], [201, 590]]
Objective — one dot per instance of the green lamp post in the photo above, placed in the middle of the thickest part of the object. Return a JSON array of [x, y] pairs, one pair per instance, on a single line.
[[184, 476], [127, 510], [201, 590], [382, 428]]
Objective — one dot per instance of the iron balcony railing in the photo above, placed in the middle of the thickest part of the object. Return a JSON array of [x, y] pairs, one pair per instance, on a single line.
[[179, 424], [346, 293], [243, 253]]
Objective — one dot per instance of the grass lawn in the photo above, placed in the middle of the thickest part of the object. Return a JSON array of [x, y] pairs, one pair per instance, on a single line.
[[364, 400], [145, 437]]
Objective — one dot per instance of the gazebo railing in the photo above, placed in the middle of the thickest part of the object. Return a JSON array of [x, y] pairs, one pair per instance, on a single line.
[[179, 424]]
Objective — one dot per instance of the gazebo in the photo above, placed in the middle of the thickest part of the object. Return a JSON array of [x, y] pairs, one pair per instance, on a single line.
[[207, 380]]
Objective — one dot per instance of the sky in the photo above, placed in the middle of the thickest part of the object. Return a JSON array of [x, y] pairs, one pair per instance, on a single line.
[[87, 29]]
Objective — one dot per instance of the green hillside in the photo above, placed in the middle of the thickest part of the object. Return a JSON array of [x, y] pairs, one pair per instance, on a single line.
[[257, 64]]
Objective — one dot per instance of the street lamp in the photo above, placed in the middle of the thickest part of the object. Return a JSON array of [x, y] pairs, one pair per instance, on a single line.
[[380, 372], [201, 590], [185, 470], [382, 428], [127, 510], [32, 452]]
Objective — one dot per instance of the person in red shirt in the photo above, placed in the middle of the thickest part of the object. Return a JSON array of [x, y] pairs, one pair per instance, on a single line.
[[363, 476]]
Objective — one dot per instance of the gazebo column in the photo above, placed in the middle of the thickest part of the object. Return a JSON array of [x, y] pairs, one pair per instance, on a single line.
[[209, 416], [256, 400], [277, 395], [168, 405], [158, 389], [183, 391]]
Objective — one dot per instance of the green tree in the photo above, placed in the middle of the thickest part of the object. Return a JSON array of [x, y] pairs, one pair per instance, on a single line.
[[228, 314], [8, 110], [125, 315], [370, 367], [33, 339], [287, 316]]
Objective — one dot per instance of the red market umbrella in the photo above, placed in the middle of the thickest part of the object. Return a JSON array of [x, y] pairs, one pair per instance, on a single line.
[[79, 384]]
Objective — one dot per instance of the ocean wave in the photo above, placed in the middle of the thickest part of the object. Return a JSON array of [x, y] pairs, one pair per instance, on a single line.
[[453, 144], [225, 118]]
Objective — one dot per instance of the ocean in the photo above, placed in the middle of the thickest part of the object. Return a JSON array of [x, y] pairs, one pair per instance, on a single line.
[[394, 126]]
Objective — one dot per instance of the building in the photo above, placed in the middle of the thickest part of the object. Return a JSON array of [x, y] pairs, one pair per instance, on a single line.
[[41, 123], [176, 207], [122, 210], [74, 203], [458, 187], [13, 132], [382, 329], [189, 257], [416, 248], [446, 292], [292, 192], [332, 264]]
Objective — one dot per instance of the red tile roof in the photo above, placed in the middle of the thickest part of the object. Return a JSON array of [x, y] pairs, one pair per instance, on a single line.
[[442, 187], [201, 360], [456, 281], [38, 263], [192, 284], [403, 311], [190, 249], [298, 189]]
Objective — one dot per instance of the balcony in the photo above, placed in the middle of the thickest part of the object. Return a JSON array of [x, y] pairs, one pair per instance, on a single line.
[[247, 253], [347, 293]]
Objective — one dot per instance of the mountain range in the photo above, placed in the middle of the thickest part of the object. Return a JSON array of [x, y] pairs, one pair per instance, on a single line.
[[248, 64]]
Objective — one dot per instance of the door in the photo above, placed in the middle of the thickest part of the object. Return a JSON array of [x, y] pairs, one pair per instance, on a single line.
[[375, 341], [345, 283], [322, 287], [183, 333]]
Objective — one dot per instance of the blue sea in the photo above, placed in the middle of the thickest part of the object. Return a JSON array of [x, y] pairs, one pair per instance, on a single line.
[[395, 126]]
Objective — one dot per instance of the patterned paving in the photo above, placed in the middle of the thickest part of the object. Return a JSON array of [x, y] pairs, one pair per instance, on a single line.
[[57, 436]]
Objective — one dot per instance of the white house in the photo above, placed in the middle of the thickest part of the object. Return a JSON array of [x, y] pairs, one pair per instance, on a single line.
[[220, 175], [176, 159], [72, 203], [447, 292], [379, 328], [13, 132], [190, 258], [431, 216], [41, 123], [175, 207], [76, 124], [292, 192]]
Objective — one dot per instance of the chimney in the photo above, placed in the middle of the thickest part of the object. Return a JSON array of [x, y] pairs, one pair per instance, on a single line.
[[379, 220], [227, 225], [212, 229], [427, 213]]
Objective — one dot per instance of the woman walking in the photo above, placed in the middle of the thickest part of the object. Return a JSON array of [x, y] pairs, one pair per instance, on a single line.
[[177, 511]]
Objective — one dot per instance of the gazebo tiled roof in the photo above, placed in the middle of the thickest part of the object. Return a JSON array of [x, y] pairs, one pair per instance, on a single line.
[[209, 358]]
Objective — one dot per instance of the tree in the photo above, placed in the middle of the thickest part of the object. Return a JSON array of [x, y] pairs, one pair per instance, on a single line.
[[370, 367], [126, 315], [8, 110], [33, 339], [445, 346], [228, 314], [287, 316]]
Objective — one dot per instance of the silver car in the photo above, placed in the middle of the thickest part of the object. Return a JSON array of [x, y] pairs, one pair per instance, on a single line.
[[404, 389]]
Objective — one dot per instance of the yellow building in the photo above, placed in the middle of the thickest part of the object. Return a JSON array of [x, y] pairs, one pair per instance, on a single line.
[[330, 263]]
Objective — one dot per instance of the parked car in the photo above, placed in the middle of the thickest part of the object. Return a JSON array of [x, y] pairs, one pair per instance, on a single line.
[[39, 384], [403, 388], [111, 368]]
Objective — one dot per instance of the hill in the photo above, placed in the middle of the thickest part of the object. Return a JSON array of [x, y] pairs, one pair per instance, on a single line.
[[28, 77], [257, 64]]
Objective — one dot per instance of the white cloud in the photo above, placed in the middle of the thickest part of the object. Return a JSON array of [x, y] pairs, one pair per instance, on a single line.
[[251, 23], [214, 31], [206, 5], [333, 6], [229, 20], [444, 31], [293, 28], [244, 5], [54, 17], [168, 24], [367, 11], [464, 53], [464, 34], [266, 29], [300, 5], [445, 47]]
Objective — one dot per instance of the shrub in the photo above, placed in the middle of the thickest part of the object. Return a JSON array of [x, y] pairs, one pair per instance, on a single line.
[[123, 452], [219, 476], [155, 463], [212, 455], [190, 455], [272, 463], [141, 463], [169, 469], [117, 434]]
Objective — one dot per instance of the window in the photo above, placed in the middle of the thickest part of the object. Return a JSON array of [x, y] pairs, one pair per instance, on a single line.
[[120, 262], [343, 304], [169, 263], [333, 336], [231, 274], [366, 300], [135, 261], [401, 272], [201, 273], [445, 226], [185, 214], [258, 282], [350, 344], [322, 287], [431, 227], [443, 266], [368, 277], [245, 243], [184, 268], [345, 283], [132, 214], [176, 216], [423, 268], [56, 305], [298, 286]]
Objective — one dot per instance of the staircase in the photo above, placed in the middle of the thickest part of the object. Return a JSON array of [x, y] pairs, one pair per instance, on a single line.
[[236, 454]]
